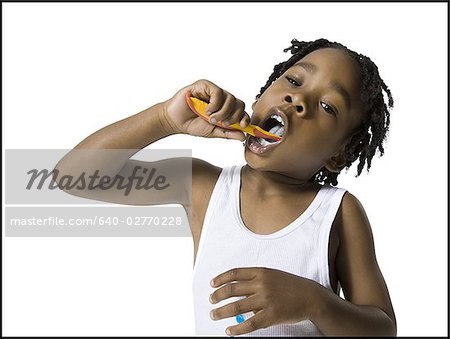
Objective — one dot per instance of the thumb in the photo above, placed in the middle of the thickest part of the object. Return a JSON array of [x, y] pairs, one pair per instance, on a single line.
[[224, 133]]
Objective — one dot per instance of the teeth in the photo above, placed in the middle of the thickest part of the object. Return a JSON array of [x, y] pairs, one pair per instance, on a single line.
[[275, 129], [277, 118], [280, 131], [263, 142]]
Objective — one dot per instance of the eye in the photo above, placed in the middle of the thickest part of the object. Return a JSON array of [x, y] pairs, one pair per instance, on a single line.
[[327, 108], [293, 81]]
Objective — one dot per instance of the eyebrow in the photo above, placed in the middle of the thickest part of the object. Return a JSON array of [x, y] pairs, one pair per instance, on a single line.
[[310, 68], [342, 91], [306, 66]]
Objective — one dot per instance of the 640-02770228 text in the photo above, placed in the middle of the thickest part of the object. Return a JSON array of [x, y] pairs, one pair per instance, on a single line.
[[98, 221]]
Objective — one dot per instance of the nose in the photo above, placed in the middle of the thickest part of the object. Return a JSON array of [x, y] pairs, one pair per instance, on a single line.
[[298, 103]]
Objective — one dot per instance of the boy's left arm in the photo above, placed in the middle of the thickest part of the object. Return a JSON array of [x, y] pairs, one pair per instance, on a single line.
[[367, 309], [279, 297]]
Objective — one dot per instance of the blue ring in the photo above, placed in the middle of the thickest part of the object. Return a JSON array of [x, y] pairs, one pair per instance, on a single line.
[[240, 318]]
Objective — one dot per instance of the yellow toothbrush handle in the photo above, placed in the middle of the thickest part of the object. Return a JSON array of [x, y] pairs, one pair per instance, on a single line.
[[198, 107]]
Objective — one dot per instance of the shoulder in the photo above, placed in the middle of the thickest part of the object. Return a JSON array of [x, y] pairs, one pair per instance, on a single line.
[[202, 165], [204, 178], [354, 231], [352, 208], [352, 221], [204, 173]]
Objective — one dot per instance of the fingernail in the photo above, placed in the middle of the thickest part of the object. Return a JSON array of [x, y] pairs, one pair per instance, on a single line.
[[211, 300], [227, 331], [212, 283], [213, 120], [211, 314]]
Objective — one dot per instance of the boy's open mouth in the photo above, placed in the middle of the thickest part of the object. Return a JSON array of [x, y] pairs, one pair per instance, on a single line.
[[275, 123]]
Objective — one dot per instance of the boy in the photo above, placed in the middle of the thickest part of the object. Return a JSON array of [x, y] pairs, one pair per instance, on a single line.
[[274, 241]]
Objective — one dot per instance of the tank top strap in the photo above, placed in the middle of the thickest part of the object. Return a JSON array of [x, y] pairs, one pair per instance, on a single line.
[[332, 201], [220, 203]]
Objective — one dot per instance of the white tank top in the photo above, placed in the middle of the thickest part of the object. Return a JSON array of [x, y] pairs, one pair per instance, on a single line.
[[300, 248]]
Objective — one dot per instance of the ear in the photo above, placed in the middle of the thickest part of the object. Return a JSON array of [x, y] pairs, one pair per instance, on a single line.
[[336, 163]]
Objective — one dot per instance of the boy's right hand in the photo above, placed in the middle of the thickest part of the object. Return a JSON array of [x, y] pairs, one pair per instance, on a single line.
[[222, 106]]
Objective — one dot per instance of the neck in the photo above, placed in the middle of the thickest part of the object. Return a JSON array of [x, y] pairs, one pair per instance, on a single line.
[[268, 183]]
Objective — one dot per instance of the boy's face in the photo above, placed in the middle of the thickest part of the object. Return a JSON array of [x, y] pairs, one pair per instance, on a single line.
[[319, 101]]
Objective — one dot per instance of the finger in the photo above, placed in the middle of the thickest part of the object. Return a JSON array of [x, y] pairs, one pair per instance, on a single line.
[[232, 290], [235, 274], [224, 112], [236, 135], [245, 121], [235, 308], [219, 132], [217, 97], [214, 95], [258, 321], [236, 115]]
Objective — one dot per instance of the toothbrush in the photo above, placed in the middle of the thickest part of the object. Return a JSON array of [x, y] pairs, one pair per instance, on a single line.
[[198, 107]]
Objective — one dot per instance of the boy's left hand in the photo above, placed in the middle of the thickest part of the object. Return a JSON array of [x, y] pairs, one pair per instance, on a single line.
[[276, 297]]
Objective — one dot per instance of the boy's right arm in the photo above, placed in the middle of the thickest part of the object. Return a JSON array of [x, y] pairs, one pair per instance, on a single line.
[[107, 152]]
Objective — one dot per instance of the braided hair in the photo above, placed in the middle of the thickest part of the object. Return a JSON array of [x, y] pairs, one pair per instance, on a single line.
[[375, 128]]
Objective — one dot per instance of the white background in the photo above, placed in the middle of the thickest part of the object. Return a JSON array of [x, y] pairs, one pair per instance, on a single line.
[[70, 69]]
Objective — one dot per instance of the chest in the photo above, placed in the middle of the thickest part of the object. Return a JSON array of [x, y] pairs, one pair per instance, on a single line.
[[271, 214], [268, 216]]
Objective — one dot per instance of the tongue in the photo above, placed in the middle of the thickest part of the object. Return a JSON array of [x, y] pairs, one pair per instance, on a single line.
[[277, 129]]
